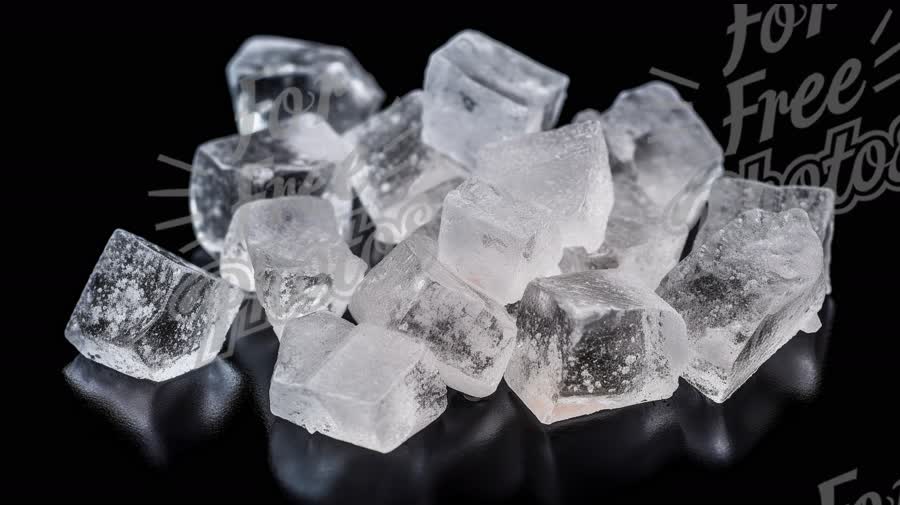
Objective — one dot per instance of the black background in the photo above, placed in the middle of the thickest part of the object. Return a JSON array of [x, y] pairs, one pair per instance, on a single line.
[[91, 110]]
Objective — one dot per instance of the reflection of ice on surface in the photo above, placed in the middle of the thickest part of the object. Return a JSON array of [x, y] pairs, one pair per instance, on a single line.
[[491, 450], [163, 419]]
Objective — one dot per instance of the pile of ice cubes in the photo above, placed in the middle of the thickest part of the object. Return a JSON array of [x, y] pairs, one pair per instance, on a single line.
[[579, 228]]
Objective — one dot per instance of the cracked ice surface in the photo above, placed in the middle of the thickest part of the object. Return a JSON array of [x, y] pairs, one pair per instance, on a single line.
[[744, 293], [593, 340], [470, 335], [730, 196], [149, 314], [287, 250], [399, 179]]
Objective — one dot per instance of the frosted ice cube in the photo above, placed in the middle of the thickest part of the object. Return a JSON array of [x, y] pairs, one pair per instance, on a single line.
[[149, 314], [365, 385], [744, 293], [286, 250], [303, 157], [564, 172], [271, 78], [400, 181], [470, 335], [591, 341], [730, 196], [478, 91], [495, 242]]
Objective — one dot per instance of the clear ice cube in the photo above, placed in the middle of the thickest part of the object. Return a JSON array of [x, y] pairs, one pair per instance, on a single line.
[[149, 314], [478, 91], [564, 172], [287, 251], [470, 335], [640, 240], [591, 341], [730, 196], [744, 293], [400, 181], [664, 161], [495, 242], [271, 78], [365, 385], [304, 157], [657, 140]]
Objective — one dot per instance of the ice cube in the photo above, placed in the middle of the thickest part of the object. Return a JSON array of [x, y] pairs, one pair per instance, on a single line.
[[271, 78], [657, 140], [640, 240], [470, 335], [149, 314], [744, 293], [664, 161], [400, 181], [591, 341], [730, 196], [365, 385], [478, 91], [495, 242], [286, 250], [303, 157], [564, 172]]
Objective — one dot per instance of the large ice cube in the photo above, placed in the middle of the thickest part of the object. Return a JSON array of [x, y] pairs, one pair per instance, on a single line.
[[744, 293], [365, 385], [591, 341], [149, 314], [664, 161], [400, 181], [271, 78], [305, 156], [564, 172], [470, 335], [478, 91], [657, 140], [286, 250], [495, 242], [730, 196]]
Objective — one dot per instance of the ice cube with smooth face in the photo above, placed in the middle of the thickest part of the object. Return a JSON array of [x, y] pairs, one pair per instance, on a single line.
[[591, 341], [495, 242], [564, 172], [478, 90], [273, 78], [745, 292], [149, 314], [365, 385]]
